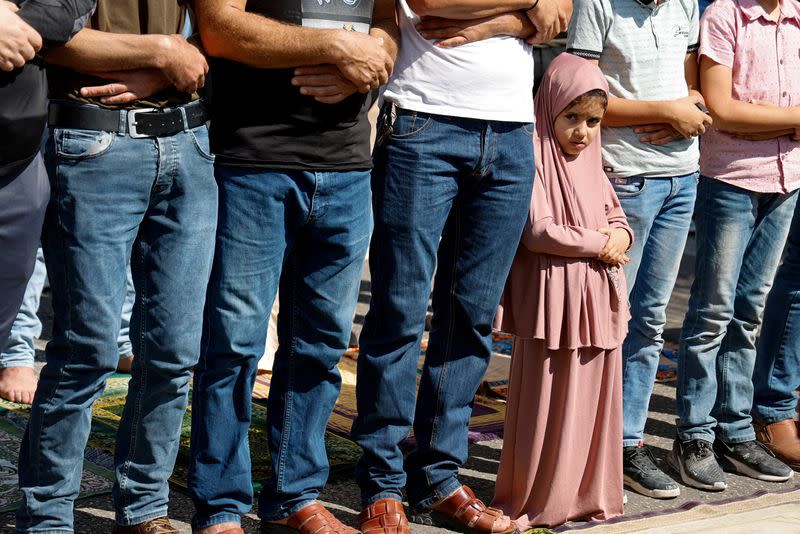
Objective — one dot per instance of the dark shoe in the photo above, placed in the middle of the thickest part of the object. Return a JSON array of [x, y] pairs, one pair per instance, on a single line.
[[463, 512], [641, 474], [154, 526], [783, 439], [754, 460], [311, 519], [385, 516], [694, 461]]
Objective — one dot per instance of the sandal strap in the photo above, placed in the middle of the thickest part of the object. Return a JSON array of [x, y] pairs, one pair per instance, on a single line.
[[467, 509], [385, 516], [316, 519]]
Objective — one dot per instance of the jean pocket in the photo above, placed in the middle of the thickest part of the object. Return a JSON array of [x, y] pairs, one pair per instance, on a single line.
[[628, 187], [82, 144], [201, 143], [529, 128], [409, 124]]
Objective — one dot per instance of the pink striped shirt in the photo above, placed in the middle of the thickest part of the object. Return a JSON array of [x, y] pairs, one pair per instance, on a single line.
[[764, 56]]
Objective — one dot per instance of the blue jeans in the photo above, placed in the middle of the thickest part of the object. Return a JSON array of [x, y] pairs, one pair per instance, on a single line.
[[659, 211], [740, 239], [307, 233], [449, 194], [20, 349], [777, 370], [153, 200]]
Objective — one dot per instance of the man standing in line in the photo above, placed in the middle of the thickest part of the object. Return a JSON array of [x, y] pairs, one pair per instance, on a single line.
[[292, 143], [24, 188], [132, 178], [454, 168]]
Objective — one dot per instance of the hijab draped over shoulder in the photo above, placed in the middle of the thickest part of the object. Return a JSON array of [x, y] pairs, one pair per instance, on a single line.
[[556, 290]]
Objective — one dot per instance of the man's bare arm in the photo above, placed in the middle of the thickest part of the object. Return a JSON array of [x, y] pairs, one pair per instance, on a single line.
[[456, 32], [735, 116], [92, 51], [230, 32], [467, 9]]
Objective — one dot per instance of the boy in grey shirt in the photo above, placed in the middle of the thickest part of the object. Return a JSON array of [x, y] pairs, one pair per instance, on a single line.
[[648, 52]]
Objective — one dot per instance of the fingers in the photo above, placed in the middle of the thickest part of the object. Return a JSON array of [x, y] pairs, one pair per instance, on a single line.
[[333, 99], [108, 90], [452, 42], [321, 91], [123, 98]]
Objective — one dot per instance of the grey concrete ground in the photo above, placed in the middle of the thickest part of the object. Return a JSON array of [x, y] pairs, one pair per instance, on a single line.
[[95, 514]]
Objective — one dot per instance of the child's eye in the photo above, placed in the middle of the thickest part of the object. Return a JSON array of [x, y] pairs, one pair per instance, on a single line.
[[593, 122], [571, 116]]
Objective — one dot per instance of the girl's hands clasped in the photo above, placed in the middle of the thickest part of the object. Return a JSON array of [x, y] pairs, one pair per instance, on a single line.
[[617, 245]]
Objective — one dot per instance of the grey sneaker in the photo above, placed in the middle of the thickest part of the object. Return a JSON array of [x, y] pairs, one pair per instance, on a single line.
[[642, 475], [754, 460], [695, 463]]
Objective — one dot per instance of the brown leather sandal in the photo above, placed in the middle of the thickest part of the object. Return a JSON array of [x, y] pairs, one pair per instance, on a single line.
[[311, 519], [385, 516], [462, 511]]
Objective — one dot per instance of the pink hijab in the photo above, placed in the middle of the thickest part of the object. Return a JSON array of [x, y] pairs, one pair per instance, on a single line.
[[555, 290]]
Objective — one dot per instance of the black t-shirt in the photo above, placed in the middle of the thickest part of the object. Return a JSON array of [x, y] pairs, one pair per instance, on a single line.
[[259, 119]]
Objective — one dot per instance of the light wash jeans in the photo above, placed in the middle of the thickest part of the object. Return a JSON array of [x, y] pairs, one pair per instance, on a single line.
[[777, 373], [116, 199], [27, 327], [740, 239], [659, 210], [451, 195]]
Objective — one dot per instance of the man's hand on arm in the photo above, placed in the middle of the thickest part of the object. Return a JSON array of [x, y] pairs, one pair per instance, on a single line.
[[549, 18], [127, 86], [19, 42], [456, 32]]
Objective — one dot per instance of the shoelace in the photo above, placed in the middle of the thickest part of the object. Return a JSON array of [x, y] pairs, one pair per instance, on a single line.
[[643, 458], [702, 449]]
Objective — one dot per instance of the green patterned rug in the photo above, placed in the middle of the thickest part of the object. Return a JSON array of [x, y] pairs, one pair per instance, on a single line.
[[342, 453]]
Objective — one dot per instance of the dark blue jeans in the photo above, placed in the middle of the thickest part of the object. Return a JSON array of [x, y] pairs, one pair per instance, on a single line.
[[777, 369], [740, 239], [153, 200], [450, 194], [310, 232]]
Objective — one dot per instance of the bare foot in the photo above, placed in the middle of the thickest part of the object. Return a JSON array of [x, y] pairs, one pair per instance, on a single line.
[[124, 366], [18, 384], [220, 528]]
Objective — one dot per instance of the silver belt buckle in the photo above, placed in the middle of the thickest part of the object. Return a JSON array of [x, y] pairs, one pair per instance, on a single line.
[[131, 120]]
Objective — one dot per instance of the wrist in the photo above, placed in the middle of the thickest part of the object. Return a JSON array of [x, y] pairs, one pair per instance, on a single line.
[[160, 48]]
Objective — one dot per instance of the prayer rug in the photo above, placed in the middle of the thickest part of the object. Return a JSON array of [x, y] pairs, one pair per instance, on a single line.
[[342, 453], [488, 411], [13, 417]]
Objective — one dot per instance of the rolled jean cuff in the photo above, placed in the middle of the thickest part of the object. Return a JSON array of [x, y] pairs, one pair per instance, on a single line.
[[283, 514], [742, 437], [437, 494], [199, 523], [632, 442], [775, 417], [130, 521], [385, 494], [708, 437], [8, 365]]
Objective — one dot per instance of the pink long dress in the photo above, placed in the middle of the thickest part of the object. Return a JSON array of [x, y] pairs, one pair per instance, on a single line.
[[562, 450]]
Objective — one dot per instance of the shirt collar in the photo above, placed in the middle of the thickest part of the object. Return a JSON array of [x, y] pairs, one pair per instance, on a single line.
[[753, 10]]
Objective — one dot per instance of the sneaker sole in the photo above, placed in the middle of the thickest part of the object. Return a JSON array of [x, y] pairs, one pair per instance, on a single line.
[[654, 493], [689, 481], [744, 469]]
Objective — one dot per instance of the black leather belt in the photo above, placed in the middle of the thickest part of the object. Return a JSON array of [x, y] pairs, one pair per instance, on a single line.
[[147, 122]]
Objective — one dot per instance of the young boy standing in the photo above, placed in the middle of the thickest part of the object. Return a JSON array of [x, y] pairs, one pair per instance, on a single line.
[[650, 153], [750, 166]]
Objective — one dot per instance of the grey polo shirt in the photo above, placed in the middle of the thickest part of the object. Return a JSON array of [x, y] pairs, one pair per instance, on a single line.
[[641, 48]]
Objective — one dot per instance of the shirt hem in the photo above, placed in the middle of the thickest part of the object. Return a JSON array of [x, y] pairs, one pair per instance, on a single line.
[[459, 112]]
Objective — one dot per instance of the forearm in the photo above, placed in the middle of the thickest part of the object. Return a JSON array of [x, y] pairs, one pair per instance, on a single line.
[[467, 9], [515, 24], [96, 51], [546, 237], [736, 116], [384, 25], [626, 112], [56, 23], [230, 32]]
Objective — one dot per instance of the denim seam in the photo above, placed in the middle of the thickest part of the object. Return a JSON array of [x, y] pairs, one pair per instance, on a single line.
[[287, 412], [451, 328], [216, 519], [314, 199], [123, 478], [130, 521]]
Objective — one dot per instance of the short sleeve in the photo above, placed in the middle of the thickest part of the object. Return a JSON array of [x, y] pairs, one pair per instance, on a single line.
[[718, 32], [587, 29], [694, 28], [57, 20]]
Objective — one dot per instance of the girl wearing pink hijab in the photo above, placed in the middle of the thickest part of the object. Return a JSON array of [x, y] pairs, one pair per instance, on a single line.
[[565, 304]]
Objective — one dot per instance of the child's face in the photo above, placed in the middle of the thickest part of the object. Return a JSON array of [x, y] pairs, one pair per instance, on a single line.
[[577, 126]]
